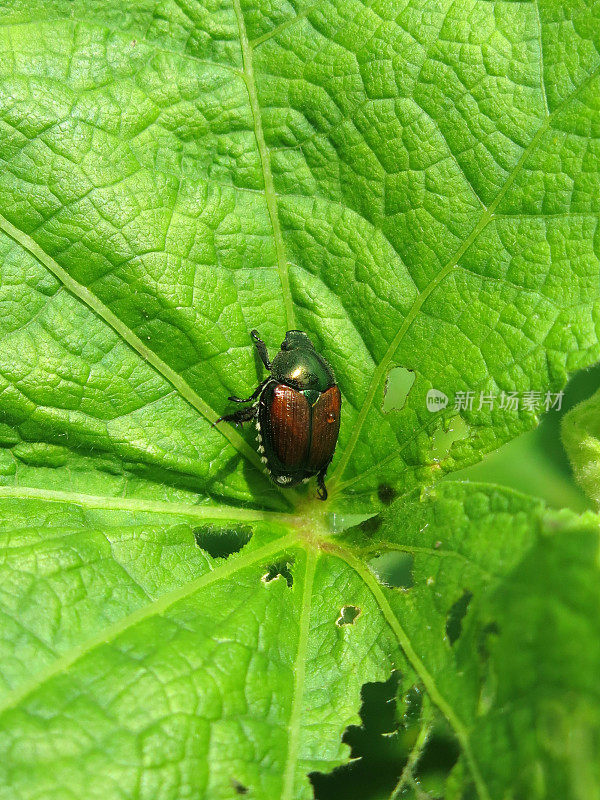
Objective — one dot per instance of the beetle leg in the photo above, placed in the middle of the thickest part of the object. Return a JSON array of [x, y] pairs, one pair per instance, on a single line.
[[238, 417], [321, 488], [253, 396], [262, 348]]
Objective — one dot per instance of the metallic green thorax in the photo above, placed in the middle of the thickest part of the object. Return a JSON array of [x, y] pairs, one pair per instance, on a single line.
[[298, 364]]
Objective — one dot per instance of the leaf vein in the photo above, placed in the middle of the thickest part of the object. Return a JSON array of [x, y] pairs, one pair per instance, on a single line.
[[157, 607], [143, 506], [97, 306], [486, 217], [269, 185], [299, 677], [288, 23], [428, 681], [542, 81]]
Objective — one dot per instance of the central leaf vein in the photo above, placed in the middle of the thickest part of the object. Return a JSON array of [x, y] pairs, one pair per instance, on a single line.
[[137, 505], [299, 677], [270, 194]]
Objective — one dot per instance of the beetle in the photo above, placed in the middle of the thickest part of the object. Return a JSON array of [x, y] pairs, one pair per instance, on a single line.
[[297, 412]]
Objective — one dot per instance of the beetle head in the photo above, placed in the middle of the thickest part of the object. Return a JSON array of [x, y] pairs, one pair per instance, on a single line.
[[296, 339]]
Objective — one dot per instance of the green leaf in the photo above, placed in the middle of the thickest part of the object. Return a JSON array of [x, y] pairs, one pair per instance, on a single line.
[[137, 664], [581, 437], [545, 659], [496, 614], [415, 185], [172, 179]]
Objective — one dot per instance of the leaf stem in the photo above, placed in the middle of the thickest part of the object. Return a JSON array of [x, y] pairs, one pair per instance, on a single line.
[[133, 505], [414, 755]]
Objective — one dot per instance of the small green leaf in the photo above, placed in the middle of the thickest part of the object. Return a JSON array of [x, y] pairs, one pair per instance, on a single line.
[[543, 729], [581, 437]]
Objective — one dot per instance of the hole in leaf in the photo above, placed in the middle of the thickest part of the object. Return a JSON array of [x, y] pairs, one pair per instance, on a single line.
[[386, 494], [456, 615], [380, 747], [379, 755], [371, 525], [490, 631], [238, 787], [445, 436], [378, 709], [397, 386], [394, 569], [347, 615], [438, 758], [282, 568], [222, 542]]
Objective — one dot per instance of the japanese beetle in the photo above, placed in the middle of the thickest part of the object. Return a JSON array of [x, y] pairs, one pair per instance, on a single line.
[[297, 413]]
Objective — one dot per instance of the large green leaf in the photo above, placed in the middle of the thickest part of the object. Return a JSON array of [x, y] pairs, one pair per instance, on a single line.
[[174, 175], [414, 184]]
